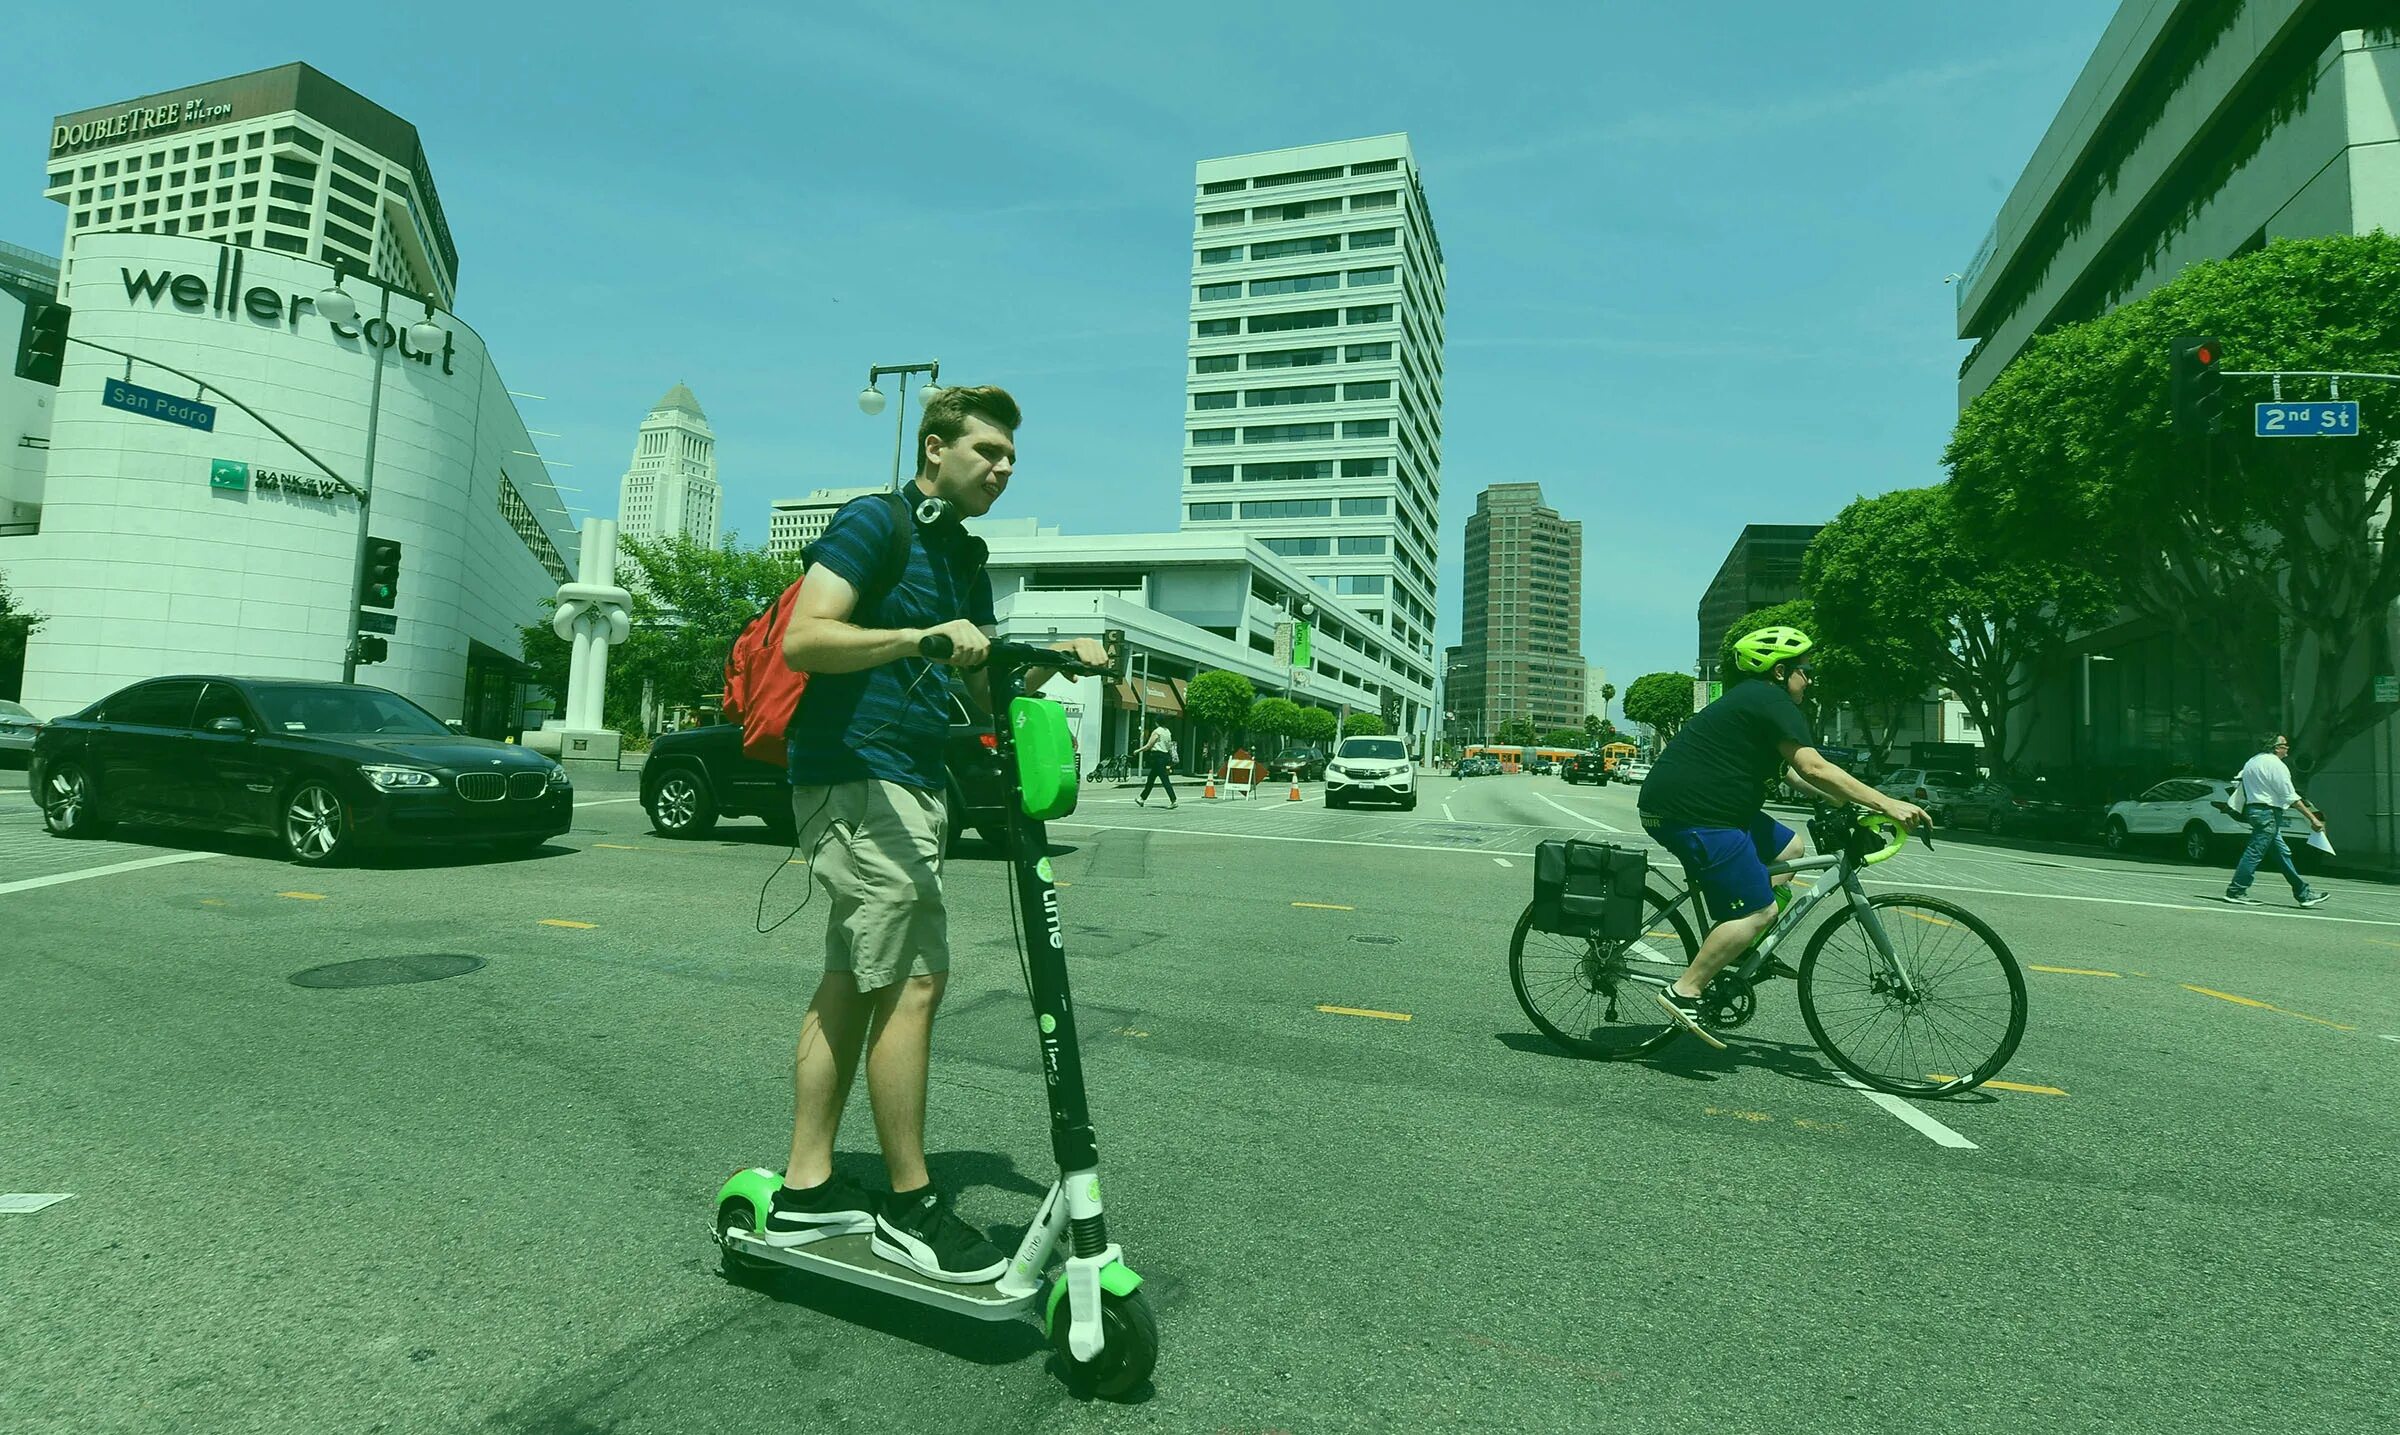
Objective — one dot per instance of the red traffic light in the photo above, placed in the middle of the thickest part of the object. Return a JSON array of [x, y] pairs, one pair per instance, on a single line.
[[2205, 354]]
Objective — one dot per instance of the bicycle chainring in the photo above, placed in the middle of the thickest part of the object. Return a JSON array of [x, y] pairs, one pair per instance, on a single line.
[[1727, 1004]]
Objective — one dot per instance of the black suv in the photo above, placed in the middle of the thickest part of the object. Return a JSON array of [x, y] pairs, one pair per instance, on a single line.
[[696, 776], [1585, 767]]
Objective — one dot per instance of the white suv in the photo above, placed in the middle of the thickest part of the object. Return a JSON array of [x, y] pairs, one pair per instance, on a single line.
[[1932, 789], [1376, 767]]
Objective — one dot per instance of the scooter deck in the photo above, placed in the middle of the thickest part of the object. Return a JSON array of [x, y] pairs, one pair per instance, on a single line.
[[851, 1259]]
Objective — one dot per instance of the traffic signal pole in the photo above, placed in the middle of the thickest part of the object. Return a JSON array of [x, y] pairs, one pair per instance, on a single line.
[[358, 556]]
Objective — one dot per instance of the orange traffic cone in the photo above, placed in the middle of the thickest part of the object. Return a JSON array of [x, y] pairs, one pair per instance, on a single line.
[[1209, 791], [1295, 797]]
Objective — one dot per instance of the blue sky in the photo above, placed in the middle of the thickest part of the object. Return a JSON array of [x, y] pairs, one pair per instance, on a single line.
[[1695, 255]]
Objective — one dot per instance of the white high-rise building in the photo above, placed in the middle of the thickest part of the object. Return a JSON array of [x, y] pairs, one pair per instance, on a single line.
[[1314, 420], [671, 486], [283, 159], [795, 523]]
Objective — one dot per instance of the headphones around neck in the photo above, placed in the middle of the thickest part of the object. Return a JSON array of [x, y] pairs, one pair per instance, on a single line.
[[933, 509]]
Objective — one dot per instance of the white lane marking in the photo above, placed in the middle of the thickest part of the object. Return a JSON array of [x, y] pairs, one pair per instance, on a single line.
[[1579, 817], [1448, 814], [25, 1203], [1939, 1134], [85, 875], [604, 802], [2208, 909], [1503, 861], [2388, 1037]]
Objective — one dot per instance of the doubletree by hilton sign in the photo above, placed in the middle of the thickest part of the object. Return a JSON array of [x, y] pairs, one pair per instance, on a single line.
[[267, 308], [134, 123]]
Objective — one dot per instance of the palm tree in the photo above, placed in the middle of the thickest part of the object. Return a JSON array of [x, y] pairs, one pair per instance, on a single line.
[[1608, 694]]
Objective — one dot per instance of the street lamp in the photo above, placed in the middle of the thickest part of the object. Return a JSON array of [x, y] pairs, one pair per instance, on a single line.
[[871, 401]]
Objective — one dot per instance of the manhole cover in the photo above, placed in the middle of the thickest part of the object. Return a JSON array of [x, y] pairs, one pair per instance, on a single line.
[[388, 971], [1376, 941]]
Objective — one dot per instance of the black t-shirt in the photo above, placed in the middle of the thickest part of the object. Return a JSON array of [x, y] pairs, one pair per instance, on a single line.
[[1716, 771]]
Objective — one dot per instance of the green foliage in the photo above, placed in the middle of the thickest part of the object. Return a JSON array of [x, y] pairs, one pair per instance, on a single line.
[[1314, 726], [1273, 717], [1574, 737], [1219, 702], [1661, 702], [1365, 725], [1516, 732], [1896, 582], [1872, 673], [17, 624], [1592, 723], [2070, 458]]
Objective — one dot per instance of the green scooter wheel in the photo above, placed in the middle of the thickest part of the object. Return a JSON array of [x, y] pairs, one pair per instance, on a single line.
[[1128, 1345]]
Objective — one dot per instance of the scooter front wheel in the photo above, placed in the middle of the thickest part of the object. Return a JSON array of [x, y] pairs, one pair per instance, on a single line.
[[1128, 1344], [737, 1214]]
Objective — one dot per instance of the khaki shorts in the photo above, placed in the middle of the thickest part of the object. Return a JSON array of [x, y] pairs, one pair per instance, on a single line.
[[876, 849]]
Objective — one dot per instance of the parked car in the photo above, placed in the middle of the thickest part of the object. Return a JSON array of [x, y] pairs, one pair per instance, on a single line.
[[1479, 765], [328, 769], [1929, 788], [1541, 766], [1308, 762], [2031, 808], [2194, 813], [1376, 768], [1633, 771], [17, 727], [695, 777], [1584, 767]]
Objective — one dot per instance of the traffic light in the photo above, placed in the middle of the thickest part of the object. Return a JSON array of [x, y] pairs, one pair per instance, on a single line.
[[2197, 385], [42, 343], [372, 648], [379, 584]]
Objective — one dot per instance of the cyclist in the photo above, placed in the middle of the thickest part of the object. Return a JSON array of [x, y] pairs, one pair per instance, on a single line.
[[1704, 800]]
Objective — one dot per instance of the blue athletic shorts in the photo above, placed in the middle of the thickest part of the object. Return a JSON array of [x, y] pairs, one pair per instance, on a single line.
[[1727, 864]]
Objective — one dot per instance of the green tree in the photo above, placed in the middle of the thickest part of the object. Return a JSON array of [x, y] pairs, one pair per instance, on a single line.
[[1592, 723], [1608, 694], [2070, 458], [1898, 567], [1220, 703], [1516, 732], [1567, 736], [17, 624], [1273, 718], [1878, 677], [1661, 702], [1314, 726], [1365, 725]]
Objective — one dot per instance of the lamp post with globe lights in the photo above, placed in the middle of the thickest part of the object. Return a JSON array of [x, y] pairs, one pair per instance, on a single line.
[[871, 401]]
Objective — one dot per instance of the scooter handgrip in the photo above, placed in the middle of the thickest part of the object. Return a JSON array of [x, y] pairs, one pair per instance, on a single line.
[[935, 645]]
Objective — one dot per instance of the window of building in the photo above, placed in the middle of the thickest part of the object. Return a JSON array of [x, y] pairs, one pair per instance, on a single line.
[[1212, 328], [1300, 394], [291, 243], [1362, 278], [1211, 473], [183, 153], [1293, 358], [1221, 219], [277, 214], [1310, 244], [1295, 471], [354, 164], [1362, 547], [1216, 363], [1371, 314], [225, 170], [362, 193], [1306, 209], [1289, 508], [1367, 353], [340, 234], [250, 189], [1375, 166], [172, 225], [1376, 389], [1297, 176], [1204, 512], [1374, 238], [1294, 284], [295, 193], [174, 202], [1223, 186], [149, 206], [246, 213], [218, 219], [1223, 254], [1380, 199], [83, 217], [1365, 507], [1205, 438], [1296, 547], [1211, 292], [1366, 467], [349, 212], [1287, 433], [250, 165], [109, 191], [295, 168], [1295, 319], [1366, 428], [1221, 399]]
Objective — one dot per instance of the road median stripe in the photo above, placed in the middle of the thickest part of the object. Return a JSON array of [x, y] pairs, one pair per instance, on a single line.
[[303, 896], [2262, 1006], [1367, 1011], [616, 847], [1997, 1085], [2070, 971], [1325, 906], [563, 922], [27, 884]]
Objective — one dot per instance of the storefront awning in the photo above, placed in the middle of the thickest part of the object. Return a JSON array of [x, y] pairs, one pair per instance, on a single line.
[[1160, 695]]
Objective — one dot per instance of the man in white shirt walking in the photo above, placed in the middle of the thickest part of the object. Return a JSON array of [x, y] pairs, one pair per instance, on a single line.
[[2262, 793]]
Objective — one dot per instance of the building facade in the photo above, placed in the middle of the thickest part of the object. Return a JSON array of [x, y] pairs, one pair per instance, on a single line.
[[1760, 570], [161, 547], [26, 279], [1521, 615], [1595, 703], [1314, 375], [795, 523], [670, 487], [284, 160]]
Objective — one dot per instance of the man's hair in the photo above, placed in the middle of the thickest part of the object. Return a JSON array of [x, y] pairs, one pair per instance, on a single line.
[[946, 417], [2273, 739]]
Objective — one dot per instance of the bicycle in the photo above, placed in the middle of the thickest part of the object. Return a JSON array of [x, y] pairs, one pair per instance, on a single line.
[[1121, 768], [1955, 1014]]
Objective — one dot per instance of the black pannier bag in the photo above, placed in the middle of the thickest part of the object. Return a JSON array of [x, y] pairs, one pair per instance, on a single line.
[[1589, 889]]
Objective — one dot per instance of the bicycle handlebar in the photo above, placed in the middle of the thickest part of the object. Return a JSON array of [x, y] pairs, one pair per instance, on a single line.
[[1016, 657]]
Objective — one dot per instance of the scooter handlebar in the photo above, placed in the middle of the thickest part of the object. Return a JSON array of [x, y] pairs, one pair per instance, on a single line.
[[1016, 656]]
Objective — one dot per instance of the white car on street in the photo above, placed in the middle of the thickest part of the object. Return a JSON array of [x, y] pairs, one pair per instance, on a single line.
[[1376, 768], [1634, 771], [2195, 813], [1930, 788]]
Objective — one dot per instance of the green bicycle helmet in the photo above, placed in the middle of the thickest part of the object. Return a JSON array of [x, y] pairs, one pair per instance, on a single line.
[[1760, 651]]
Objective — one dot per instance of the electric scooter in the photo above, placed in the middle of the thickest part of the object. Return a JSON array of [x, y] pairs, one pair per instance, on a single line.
[[1094, 1311]]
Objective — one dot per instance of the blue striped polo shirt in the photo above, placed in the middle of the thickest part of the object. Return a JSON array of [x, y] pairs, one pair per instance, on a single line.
[[889, 722]]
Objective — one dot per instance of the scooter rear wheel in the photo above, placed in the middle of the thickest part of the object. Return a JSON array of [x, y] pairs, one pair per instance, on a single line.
[[1128, 1345]]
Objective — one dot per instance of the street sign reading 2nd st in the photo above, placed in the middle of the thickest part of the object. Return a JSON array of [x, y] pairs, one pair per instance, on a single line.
[[2309, 420]]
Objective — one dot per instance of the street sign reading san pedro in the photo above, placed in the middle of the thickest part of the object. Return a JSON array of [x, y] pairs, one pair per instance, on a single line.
[[150, 403], [2306, 420]]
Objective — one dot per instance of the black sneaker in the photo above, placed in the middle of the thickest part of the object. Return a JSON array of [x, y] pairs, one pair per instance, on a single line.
[[2243, 899], [837, 1208], [1686, 1011], [2313, 899], [921, 1232]]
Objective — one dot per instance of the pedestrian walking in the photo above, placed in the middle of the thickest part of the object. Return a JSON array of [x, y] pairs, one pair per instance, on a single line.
[[2260, 795], [1158, 755]]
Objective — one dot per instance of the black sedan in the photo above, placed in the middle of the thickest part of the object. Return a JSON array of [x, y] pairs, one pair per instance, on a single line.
[[327, 769]]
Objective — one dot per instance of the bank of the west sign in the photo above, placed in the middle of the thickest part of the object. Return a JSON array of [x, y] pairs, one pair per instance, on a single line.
[[134, 123], [228, 299]]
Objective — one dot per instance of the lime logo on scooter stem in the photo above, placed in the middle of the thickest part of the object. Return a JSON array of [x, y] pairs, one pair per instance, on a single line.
[[1049, 1023], [1041, 869]]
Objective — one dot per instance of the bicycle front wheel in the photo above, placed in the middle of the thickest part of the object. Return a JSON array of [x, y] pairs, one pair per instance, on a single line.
[[1951, 1028], [1593, 997]]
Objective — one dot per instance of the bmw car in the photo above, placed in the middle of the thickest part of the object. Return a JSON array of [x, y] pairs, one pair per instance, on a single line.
[[327, 769]]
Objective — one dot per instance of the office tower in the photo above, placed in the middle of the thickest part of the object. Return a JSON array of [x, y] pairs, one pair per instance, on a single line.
[[672, 484], [1521, 623]]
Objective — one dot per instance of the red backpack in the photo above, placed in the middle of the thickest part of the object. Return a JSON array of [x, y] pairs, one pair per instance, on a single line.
[[761, 690]]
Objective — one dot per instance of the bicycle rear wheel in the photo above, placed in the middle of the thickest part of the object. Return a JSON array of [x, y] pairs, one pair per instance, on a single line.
[[1593, 997], [1954, 1030]]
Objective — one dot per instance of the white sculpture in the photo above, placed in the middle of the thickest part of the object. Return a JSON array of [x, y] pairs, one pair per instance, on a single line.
[[594, 615]]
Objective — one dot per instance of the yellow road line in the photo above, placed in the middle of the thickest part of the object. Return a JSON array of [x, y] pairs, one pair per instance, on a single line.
[[2070, 971], [1326, 906], [563, 922], [1920, 916], [2003, 1085], [1362, 1011], [2263, 1006], [616, 847], [303, 896]]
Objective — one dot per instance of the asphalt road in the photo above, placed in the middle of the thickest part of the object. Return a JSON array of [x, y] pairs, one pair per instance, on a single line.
[[481, 1202]]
